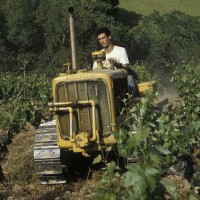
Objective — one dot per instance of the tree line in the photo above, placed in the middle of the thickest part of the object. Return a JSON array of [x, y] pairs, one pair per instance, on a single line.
[[36, 34]]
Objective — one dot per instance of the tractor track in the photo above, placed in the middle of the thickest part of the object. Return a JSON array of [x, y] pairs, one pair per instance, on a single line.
[[47, 158]]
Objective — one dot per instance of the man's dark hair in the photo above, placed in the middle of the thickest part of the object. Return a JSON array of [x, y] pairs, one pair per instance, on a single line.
[[104, 30]]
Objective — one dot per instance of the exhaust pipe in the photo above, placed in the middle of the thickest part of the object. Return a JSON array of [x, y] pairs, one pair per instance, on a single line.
[[72, 38]]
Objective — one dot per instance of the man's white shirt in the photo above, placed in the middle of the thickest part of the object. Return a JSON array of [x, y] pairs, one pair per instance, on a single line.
[[118, 54]]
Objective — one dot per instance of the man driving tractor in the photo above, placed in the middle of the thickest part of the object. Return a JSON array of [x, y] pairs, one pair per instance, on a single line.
[[116, 57]]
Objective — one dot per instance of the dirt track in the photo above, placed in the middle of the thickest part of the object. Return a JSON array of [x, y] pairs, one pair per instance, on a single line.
[[21, 183]]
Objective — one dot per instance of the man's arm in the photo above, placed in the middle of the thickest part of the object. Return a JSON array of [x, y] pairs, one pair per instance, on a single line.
[[125, 66], [117, 65], [124, 59]]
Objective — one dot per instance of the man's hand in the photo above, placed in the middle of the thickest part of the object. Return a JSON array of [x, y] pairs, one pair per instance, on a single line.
[[115, 64], [118, 65]]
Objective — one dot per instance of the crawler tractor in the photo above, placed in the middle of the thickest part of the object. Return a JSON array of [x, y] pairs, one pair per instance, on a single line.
[[86, 107]]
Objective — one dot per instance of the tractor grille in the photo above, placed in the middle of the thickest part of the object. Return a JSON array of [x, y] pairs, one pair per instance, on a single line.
[[82, 114]]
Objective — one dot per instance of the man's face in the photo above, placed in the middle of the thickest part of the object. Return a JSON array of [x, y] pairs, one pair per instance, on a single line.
[[104, 40]]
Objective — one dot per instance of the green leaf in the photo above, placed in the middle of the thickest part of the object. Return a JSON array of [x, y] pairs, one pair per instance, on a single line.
[[135, 138], [156, 158], [123, 152], [131, 179], [163, 150], [98, 159], [184, 79], [152, 178], [170, 186], [108, 149]]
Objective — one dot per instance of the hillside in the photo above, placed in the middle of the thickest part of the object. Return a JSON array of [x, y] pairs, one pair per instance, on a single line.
[[146, 7]]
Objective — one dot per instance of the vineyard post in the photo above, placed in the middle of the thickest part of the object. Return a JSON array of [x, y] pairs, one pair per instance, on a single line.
[[25, 62]]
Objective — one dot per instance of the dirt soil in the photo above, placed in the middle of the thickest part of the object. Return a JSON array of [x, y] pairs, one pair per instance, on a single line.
[[21, 183]]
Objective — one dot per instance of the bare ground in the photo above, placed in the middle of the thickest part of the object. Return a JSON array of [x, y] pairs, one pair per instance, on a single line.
[[21, 183]]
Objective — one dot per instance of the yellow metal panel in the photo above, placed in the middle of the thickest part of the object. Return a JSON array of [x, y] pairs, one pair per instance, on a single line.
[[146, 86], [84, 76]]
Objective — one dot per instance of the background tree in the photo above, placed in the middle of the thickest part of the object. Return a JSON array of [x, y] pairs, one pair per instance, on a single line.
[[4, 53], [37, 33], [23, 34], [89, 16], [163, 42]]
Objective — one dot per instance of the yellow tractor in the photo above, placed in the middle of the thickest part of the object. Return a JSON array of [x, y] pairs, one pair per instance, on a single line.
[[86, 107]]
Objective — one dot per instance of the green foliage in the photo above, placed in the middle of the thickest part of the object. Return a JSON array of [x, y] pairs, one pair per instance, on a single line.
[[187, 81], [154, 141], [34, 36], [23, 99], [171, 134], [163, 42], [23, 38], [136, 183], [38, 32], [187, 119], [143, 72], [196, 179], [143, 183], [21, 32], [180, 129], [137, 141], [110, 186]]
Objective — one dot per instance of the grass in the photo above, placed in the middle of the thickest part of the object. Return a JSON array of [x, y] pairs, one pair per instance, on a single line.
[[146, 7]]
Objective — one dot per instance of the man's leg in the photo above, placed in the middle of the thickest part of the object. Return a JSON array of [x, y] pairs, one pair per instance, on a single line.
[[131, 85]]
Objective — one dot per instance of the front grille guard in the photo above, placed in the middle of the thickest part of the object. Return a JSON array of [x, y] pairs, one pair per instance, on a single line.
[[68, 107]]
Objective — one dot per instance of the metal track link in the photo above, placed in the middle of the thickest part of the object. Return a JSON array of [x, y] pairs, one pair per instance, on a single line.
[[47, 160]]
